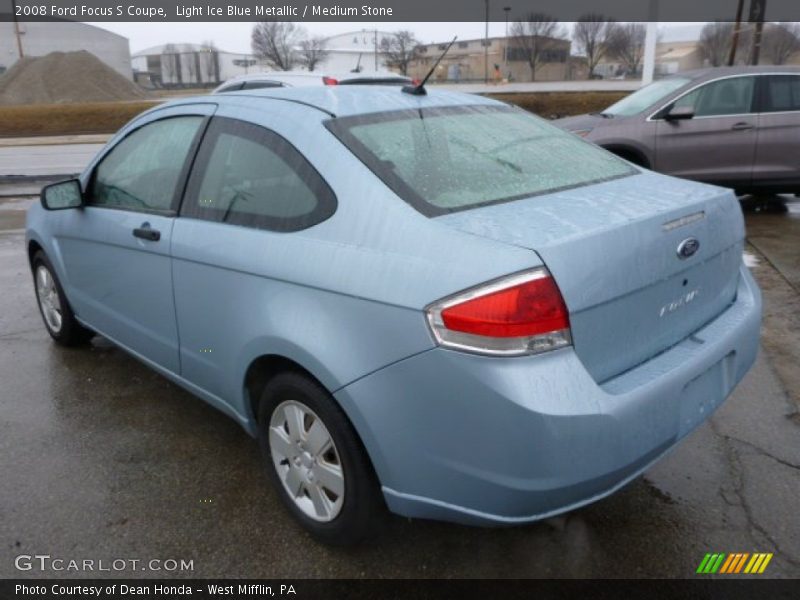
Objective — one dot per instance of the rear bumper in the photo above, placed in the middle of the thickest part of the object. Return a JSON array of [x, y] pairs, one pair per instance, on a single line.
[[481, 440]]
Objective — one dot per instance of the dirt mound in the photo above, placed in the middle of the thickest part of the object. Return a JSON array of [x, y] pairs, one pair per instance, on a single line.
[[65, 77]]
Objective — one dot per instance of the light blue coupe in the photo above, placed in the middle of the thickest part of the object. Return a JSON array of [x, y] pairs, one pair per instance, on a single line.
[[432, 302]]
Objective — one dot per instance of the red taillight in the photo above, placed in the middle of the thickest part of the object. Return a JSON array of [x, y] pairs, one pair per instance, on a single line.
[[329, 80], [529, 308], [522, 314]]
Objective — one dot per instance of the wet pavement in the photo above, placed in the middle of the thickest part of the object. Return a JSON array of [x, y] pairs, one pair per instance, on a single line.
[[46, 160], [101, 458]]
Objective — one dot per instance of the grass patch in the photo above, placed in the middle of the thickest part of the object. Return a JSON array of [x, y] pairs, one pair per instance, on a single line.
[[561, 104], [108, 117], [68, 119]]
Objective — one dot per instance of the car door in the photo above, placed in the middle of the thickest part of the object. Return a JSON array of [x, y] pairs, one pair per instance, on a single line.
[[777, 161], [248, 192], [718, 144], [116, 250]]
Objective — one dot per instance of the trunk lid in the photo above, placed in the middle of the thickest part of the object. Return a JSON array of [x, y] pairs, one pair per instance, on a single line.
[[613, 250]]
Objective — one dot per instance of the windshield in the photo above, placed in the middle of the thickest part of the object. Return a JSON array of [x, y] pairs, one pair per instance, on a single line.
[[442, 160], [645, 97]]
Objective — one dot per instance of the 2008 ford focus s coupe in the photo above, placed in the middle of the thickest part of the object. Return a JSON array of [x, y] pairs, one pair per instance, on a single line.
[[434, 303]]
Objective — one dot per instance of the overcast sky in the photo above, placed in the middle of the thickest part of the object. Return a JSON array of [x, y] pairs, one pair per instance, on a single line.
[[235, 37]]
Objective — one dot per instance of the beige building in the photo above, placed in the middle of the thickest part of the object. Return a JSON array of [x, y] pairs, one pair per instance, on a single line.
[[466, 61], [674, 57]]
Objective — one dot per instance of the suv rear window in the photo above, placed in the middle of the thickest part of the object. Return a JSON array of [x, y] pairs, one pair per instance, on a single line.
[[443, 160]]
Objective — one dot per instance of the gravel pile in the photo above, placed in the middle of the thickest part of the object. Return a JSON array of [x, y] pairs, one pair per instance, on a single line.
[[65, 77]]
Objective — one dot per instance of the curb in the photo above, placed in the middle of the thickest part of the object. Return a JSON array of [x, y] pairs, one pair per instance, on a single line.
[[55, 140], [17, 186]]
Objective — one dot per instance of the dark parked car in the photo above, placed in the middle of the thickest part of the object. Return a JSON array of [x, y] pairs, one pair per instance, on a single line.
[[732, 126]]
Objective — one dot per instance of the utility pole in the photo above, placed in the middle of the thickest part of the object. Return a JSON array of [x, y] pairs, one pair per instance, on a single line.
[[16, 29], [758, 9], [649, 66], [486, 46], [736, 29], [506, 9]]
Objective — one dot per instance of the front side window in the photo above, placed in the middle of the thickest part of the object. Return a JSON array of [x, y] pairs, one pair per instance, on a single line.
[[782, 93], [443, 160], [733, 96], [142, 172], [247, 175]]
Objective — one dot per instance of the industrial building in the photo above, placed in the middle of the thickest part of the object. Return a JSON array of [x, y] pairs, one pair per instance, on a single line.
[[193, 65], [468, 60], [356, 50], [190, 65], [41, 38]]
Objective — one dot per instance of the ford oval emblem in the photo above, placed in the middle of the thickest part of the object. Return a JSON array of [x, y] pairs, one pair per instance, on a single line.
[[688, 247]]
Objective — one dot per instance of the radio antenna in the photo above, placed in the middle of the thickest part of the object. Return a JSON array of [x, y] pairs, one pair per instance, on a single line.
[[419, 89]]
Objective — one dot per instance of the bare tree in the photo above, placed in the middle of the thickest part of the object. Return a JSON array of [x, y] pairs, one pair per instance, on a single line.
[[210, 61], [590, 36], [715, 42], [399, 48], [780, 41], [533, 36], [626, 44], [276, 42], [313, 51]]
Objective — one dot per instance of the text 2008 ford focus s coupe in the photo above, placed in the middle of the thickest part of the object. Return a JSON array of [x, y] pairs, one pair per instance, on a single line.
[[436, 303]]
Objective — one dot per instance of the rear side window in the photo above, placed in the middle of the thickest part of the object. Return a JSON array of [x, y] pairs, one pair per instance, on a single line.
[[248, 175], [782, 93], [142, 172], [732, 96], [234, 87], [258, 85], [443, 160]]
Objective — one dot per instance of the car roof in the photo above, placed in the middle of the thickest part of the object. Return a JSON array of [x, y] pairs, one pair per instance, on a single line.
[[342, 76], [715, 72], [350, 100]]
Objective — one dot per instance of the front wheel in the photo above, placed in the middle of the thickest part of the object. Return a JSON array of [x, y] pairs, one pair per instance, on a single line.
[[316, 462], [59, 320]]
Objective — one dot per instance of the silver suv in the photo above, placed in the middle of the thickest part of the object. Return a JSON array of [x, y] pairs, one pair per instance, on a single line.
[[733, 126]]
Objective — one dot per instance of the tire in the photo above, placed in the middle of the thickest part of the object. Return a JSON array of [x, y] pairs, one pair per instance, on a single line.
[[59, 320], [294, 461], [631, 157]]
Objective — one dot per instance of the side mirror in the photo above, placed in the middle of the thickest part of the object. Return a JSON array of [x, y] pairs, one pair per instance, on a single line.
[[61, 195], [680, 113]]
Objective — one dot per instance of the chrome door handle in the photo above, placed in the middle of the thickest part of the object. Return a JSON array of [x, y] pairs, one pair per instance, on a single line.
[[742, 126]]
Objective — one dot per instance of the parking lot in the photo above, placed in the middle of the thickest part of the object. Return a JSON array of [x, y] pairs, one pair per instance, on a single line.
[[101, 458]]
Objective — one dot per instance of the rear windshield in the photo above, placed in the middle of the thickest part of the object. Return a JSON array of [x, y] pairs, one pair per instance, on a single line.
[[442, 160]]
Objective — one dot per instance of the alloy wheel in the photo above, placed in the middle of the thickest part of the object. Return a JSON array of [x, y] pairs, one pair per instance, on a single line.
[[49, 301], [306, 460]]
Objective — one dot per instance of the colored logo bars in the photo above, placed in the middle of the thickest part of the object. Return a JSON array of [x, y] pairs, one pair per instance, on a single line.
[[734, 563]]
